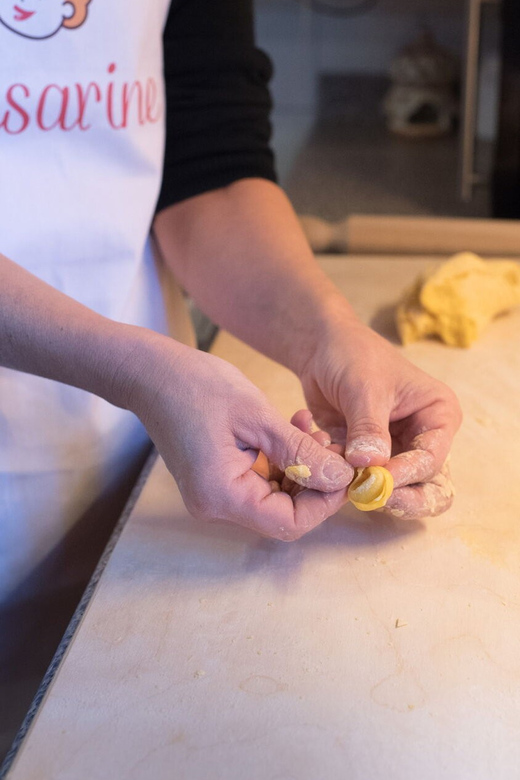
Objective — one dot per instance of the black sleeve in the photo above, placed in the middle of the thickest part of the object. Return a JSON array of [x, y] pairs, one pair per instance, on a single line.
[[217, 97]]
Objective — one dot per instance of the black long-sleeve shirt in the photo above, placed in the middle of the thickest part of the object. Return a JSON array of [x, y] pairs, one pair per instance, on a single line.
[[218, 102]]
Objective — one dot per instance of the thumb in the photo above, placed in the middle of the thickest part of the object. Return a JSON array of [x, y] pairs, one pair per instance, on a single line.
[[301, 457], [368, 437]]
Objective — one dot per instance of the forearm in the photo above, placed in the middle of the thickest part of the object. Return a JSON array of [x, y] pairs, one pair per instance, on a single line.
[[46, 333], [240, 252]]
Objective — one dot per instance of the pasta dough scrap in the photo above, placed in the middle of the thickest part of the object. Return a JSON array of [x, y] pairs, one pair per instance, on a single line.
[[298, 473], [371, 488], [458, 299]]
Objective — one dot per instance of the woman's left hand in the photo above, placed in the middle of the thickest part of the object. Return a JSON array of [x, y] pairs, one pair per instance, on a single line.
[[385, 411]]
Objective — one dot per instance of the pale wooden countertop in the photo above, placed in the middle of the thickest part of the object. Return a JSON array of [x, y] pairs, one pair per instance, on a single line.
[[207, 652]]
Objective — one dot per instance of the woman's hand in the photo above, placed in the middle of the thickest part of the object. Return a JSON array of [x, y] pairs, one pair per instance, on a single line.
[[385, 411], [209, 422]]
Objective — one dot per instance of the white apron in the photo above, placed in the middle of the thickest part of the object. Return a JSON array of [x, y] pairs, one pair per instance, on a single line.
[[81, 148]]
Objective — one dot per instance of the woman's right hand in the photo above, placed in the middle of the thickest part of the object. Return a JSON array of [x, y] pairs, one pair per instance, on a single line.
[[208, 422]]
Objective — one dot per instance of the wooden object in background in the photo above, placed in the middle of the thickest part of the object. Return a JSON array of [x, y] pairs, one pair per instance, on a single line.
[[373, 234]]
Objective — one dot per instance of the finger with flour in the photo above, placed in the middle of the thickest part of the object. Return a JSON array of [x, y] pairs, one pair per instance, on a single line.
[[422, 461], [304, 420], [427, 499]]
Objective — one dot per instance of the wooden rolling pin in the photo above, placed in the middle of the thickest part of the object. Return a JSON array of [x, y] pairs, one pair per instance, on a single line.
[[372, 234]]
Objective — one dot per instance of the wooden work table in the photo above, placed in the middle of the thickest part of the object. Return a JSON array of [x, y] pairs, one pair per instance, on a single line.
[[372, 649]]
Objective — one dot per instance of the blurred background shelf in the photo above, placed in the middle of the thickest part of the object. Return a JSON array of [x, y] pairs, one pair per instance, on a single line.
[[350, 163], [335, 155]]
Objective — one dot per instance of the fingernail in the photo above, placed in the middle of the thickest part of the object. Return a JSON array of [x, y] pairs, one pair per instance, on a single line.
[[359, 458], [363, 449], [337, 473], [322, 438]]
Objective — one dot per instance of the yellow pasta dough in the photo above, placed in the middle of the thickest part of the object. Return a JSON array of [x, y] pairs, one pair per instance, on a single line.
[[458, 299], [298, 473], [371, 488]]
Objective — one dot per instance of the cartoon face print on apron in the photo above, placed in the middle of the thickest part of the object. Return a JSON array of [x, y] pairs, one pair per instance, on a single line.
[[34, 19]]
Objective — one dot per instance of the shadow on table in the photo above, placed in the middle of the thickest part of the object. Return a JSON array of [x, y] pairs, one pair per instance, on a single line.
[[345, 530], [383, 322], [180, 550]]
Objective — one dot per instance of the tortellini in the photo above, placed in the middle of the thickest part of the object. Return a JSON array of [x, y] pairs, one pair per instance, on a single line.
[[371, 488]]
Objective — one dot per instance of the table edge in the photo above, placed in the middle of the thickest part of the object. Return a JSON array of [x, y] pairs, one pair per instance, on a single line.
[[77, 618]]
